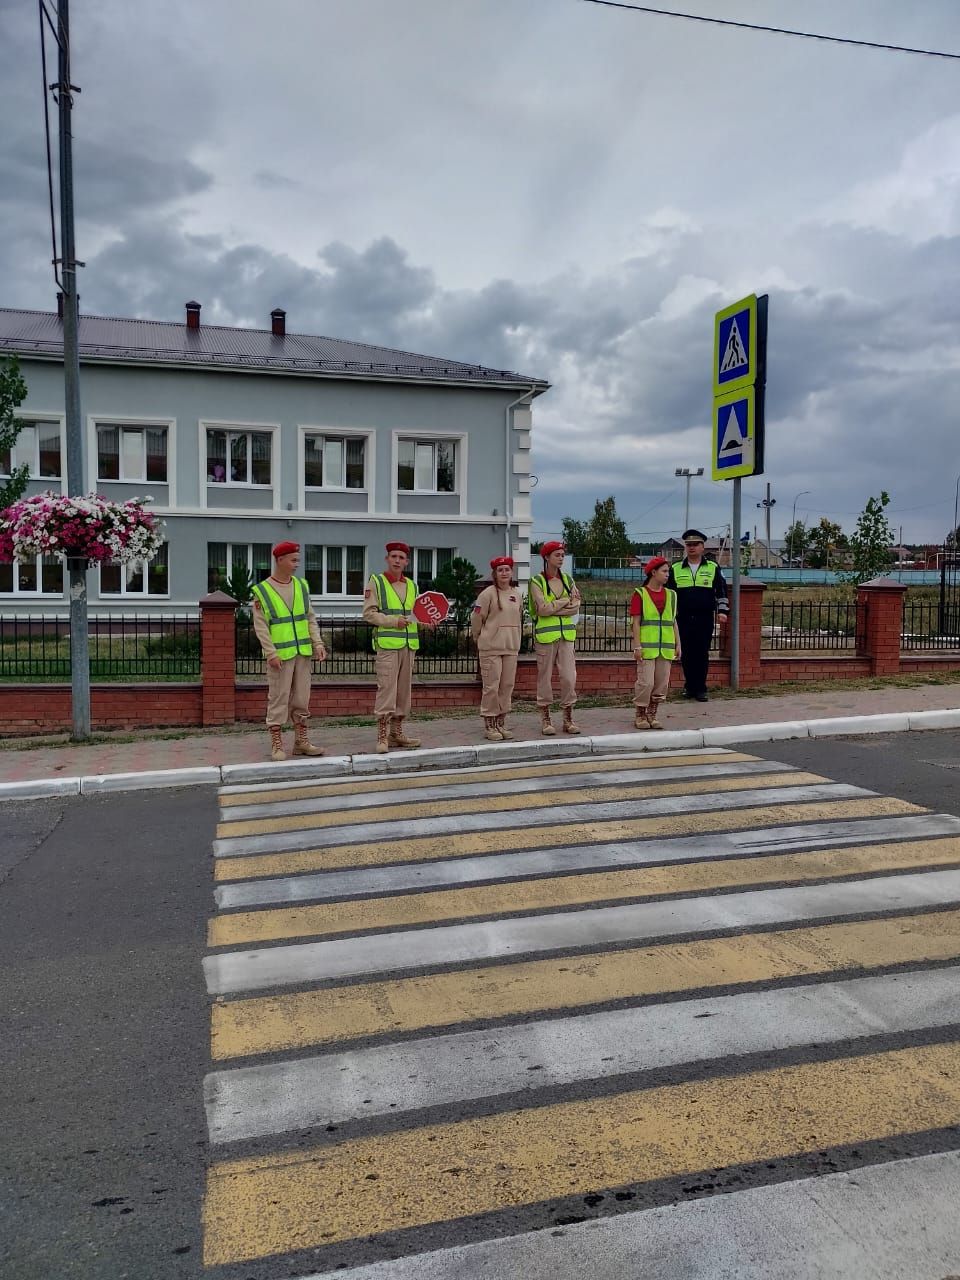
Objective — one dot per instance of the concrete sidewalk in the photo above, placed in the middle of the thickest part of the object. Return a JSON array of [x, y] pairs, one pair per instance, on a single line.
[[213, 756]]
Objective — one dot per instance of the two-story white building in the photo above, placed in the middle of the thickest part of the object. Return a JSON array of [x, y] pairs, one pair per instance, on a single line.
[[244, 437]]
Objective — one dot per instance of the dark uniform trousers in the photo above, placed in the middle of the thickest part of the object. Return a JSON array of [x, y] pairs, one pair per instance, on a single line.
[[696, 632]]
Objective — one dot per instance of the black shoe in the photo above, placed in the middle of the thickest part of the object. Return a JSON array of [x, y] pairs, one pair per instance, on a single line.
[[685, 693], [701, 697]]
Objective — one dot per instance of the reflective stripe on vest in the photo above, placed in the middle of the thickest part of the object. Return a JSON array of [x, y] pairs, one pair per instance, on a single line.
[[388, 602], [684, 577], [289, 628], [548, 630], [656, 629]]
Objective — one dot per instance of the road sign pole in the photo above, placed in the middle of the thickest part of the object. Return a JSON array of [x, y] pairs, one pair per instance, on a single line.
[[735, 592]]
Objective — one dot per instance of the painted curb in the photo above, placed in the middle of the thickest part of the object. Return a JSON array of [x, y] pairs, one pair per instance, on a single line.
[[98, 783], [241, 776]]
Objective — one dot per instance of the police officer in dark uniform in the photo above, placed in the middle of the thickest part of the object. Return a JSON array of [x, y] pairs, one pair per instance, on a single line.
[[701, 596]]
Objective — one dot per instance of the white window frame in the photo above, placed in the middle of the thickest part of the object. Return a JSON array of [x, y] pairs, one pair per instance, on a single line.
[[124, 594], [343, 548], [30, 418], [458, 438], [248, 548], [416, 552], [18, 594], [337, 433], [239, 428], [138, 423]]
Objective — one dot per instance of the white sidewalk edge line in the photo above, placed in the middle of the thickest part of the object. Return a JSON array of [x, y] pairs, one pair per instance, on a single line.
[[360, 764]]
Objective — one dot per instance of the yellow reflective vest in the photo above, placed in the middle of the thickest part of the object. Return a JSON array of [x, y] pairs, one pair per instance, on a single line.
[[550, 629], [289, 628], [656, 629], [397, 636]]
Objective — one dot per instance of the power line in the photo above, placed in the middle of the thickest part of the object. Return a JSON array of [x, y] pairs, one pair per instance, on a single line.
[[777, 31]]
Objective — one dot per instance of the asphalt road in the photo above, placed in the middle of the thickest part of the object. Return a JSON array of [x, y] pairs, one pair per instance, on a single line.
[[104, 904]]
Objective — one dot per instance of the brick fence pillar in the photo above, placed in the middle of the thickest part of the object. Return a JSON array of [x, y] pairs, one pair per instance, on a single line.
[[218, 657], [879, 624], [751, 619]]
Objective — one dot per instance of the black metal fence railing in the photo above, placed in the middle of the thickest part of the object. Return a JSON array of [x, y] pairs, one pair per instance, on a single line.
[[131, 647], [809, 624], [929, 625]]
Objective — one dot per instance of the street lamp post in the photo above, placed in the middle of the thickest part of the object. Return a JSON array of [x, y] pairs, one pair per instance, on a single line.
[[686, 474], [793, 524]]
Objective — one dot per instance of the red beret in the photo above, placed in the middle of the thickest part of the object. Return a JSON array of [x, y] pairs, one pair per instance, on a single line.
[[497, 561], [654, 563], [548, 548], [398, 546], [285, 549]]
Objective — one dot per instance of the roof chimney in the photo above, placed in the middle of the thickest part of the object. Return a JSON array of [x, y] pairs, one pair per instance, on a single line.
[[193, 315], [278, 322]]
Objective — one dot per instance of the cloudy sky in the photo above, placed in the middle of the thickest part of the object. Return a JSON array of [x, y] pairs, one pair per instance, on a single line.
[[550, 186]]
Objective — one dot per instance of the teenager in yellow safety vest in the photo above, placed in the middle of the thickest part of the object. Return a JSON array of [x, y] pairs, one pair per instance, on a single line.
[[554, 605], [289, 635], [388, 607], [656, 641]]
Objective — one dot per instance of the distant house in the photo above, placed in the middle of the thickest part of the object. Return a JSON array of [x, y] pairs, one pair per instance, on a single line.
[[247, 437], [672, 549]]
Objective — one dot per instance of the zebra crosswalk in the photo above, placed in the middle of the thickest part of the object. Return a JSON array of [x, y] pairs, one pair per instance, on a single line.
[[518, 1021]]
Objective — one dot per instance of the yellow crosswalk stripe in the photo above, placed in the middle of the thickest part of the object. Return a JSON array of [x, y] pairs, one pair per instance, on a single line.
[[430, 848], [297, 1020], [499, 804], [307, 1198], [477, 777], [321, 919]]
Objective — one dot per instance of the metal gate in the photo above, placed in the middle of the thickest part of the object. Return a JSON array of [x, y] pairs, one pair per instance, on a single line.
[[948, 613]]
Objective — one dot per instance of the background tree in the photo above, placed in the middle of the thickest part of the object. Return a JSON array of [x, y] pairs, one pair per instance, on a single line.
[[606, 533], [13, 392], [871, 542], [458, 582], [574, 533], [796, 541], [826, 538]]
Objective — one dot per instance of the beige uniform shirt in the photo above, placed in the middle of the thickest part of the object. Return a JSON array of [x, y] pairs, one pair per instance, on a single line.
[[371, 613], [563, 606], [262, 628], [497, 630]]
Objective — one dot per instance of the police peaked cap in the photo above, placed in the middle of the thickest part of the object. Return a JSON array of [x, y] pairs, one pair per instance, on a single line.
[[693, 533]]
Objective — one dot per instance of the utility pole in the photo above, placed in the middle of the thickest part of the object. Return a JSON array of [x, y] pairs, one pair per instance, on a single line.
[[767, 503], [79, 646], [686, 474]]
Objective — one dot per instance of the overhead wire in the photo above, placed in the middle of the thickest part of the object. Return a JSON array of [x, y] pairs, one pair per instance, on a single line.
[[778, 31]]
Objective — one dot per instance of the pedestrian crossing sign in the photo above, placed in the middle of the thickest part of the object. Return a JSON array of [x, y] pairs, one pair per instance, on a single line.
[[735, 346], [735, 435]]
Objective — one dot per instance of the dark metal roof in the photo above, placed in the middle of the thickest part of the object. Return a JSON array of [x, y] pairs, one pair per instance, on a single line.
[[113, 340]]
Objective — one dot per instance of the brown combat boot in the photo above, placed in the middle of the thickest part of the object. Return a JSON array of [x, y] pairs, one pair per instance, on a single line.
[[568, 724], [652, 720], [490, 730], [505, 733], [276, 742], [640, 718], [302, 746], [546, 725], [383, 728], [398, 738]]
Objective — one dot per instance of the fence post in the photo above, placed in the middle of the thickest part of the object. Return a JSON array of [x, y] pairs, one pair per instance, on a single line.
[[751, 621], [218, 657], [879, 624]]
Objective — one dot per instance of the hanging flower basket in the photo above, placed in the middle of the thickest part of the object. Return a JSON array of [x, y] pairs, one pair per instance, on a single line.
[[91, 529]]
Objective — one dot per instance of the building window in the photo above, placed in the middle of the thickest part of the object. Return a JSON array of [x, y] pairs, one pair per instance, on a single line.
[[224, 559], [333, 462], [41, 577], [427, 466], [428, 562], [334, 571], [37, 446], [138, 578], [131, 453], [238, 457]]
